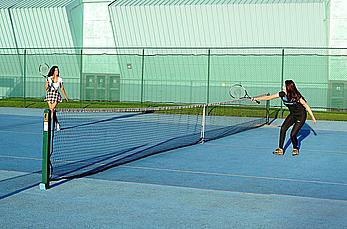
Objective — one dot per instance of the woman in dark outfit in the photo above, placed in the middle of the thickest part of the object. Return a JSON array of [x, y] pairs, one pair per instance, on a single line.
[[298, 107]]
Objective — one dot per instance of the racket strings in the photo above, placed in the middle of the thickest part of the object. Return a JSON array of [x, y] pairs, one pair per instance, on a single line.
[[43, 69], [237, 92]]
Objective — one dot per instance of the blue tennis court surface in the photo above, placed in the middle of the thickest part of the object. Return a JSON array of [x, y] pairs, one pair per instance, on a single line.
[[233, 182]]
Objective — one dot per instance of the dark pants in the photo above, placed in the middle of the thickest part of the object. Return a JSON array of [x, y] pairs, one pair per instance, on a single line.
[[298, 120]]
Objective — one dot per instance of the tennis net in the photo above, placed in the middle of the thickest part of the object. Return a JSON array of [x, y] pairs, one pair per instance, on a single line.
[[93, 140]]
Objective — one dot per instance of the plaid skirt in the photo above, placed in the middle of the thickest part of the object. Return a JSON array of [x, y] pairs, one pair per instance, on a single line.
[[53, 96]]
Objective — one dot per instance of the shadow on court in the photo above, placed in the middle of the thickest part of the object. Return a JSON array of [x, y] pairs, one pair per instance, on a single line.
[[20, 151], [304, 132], [18, 184]]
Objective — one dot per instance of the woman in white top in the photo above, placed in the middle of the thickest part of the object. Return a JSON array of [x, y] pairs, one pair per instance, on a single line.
[[53, 97]]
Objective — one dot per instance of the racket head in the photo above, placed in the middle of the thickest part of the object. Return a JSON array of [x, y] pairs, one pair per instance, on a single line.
[[44, 69], [237, 91]]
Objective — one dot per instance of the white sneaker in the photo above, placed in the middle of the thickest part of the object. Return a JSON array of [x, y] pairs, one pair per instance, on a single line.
[[57, 126]]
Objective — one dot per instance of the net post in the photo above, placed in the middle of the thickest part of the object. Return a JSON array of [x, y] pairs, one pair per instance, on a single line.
[[203, 124], [44, 185]]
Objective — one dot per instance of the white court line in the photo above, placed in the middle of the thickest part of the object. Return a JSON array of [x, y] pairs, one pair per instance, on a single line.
[[240, 146], [237, 175], [271, 149], [32, 192], [19, 132], [208, 173], [217, 190], [25, 158]]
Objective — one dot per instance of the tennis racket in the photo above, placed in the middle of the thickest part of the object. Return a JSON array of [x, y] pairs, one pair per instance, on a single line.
[[43, 70], [237, 91]]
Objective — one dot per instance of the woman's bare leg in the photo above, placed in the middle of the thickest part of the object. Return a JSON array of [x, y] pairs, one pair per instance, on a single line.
[[52, 107]]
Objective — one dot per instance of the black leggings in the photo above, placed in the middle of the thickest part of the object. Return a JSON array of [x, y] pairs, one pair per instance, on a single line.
[[298, 120]]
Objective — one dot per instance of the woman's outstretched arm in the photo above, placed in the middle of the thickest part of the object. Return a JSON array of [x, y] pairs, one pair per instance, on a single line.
[[266, 97]]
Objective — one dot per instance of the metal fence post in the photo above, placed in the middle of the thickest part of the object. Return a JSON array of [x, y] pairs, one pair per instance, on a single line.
[[282, 82], [142, 75], [208, 75]]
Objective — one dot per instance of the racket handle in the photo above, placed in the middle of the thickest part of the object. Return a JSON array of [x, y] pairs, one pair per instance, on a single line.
[[254, 100]]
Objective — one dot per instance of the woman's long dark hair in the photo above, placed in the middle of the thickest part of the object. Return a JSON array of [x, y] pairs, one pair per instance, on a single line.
[[51, 71], [292, 92]]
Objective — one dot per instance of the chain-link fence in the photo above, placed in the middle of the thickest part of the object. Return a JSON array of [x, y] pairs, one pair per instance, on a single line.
[[178, 75]]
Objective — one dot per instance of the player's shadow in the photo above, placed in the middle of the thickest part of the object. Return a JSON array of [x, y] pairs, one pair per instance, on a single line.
[[304, 132]]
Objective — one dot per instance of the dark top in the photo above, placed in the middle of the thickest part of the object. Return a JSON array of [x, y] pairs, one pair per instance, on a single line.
[[294, 106]]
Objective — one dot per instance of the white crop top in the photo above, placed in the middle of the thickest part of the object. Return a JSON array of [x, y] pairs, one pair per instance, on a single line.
[[55, 86]]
